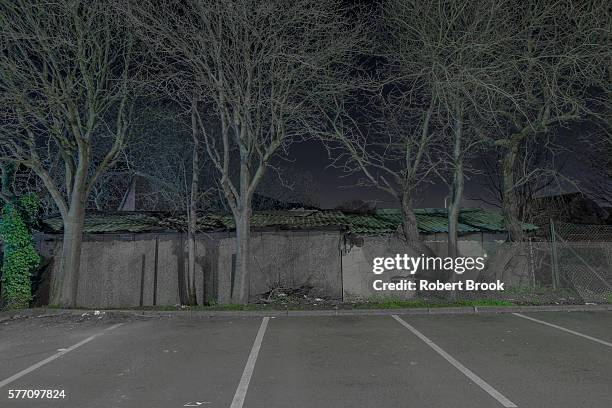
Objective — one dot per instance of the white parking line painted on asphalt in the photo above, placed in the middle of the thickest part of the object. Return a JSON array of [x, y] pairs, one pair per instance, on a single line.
[[55, 356], [466, 371], [243, 386], [596, 340]]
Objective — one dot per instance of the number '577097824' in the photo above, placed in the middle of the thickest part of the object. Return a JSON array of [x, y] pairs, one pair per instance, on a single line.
[[36, 394]]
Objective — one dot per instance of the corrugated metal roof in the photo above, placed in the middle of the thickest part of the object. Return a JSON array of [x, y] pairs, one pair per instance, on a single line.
[[429, 220], [99, 223]]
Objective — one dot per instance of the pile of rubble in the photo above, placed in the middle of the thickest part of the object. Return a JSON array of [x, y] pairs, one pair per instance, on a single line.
[[304, 295]]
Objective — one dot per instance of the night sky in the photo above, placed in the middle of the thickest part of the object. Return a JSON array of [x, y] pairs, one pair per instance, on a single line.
[[335, 187]]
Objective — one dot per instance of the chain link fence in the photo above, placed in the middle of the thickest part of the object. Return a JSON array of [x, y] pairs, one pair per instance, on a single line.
[[562, 264], [581, 259]]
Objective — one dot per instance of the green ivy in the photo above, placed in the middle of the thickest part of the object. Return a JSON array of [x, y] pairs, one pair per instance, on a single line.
[[20, 256]]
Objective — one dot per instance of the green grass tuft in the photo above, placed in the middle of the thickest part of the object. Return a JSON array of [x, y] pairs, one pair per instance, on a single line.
[[391, 303]]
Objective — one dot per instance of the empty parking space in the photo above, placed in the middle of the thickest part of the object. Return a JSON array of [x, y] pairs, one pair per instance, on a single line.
[[594, 324], [335, 361], [354, 362], [149, 364], [29, 341], [538, 366]]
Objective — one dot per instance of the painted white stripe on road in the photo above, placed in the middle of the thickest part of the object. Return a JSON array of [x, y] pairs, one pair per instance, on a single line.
[[243, 386], [54, 357], [596, 340], [466, 371]]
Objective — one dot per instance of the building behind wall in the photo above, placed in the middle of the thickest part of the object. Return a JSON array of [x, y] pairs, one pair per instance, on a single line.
[[134, 259]]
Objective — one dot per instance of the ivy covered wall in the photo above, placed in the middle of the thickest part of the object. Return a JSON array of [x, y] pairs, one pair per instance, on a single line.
[[20, 257]]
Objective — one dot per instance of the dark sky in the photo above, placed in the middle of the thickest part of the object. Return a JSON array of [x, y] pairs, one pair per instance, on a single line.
[[334, 187]]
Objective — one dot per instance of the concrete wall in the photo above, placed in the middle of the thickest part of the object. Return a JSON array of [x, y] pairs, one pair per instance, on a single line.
[[520, 265], [357, 259], [286, 259], [127, 270], [146, 269], [359, 252]]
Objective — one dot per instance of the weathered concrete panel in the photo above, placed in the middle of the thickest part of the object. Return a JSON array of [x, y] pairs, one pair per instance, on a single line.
[[317, 262], [207, 259], [357, 262], [272, 264], [122, 270], [169, 250], [144, 250], [206, 267], [224, 262], [117, 283], [288, 259], [91, 287], [513, 263]]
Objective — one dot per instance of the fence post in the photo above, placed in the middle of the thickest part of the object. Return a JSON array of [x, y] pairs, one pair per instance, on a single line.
[[553, 252], [532, 263]]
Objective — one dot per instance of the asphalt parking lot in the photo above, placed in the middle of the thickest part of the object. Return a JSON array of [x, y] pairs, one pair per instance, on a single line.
[[529, 360]]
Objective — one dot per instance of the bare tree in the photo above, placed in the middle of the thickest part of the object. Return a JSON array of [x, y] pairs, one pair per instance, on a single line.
[[263, 71], [540, 169], [439, 63], [7, 173], [66, 101], [557, 59], [184, 182], [507, 71], [290, 186], [109, 190], [449, 48], [167, 161], [396, 152], [598, 157]]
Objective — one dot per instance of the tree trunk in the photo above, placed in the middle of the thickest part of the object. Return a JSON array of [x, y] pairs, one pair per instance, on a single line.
[[456, 196], [409, 223], [242, 217], [411, 235], [240, 293], [66, 281], [192, 216], [8, 172], [410, 227], [453, 216], [191, 264], [191, 241], [456, 192], [509, 200]]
